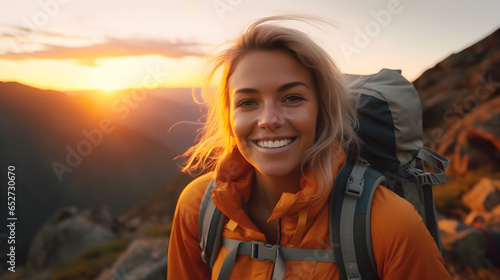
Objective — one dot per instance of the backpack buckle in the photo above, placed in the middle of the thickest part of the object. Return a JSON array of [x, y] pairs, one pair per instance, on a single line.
[[263, 251], [355, 181], [354, 188]]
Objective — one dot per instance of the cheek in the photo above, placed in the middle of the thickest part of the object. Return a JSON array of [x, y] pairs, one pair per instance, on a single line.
[[304, 120], [309, 127]]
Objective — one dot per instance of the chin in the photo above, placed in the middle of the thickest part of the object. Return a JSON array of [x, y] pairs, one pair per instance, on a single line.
[[277, 171]]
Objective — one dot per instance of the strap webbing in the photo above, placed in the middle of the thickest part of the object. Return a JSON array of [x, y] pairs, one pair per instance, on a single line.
[[355, 227], [430, 218], [433, 158], [426, 180], [436, 160], [270, 253], [354, 189], [379, 180], [210, 226], [203, 227], [227, 265]]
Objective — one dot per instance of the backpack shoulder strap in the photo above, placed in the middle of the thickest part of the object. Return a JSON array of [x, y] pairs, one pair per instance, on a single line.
[[350, 209], [210, 225]]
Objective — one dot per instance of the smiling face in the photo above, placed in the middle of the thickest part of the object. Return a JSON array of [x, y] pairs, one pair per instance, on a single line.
[[273, 111]]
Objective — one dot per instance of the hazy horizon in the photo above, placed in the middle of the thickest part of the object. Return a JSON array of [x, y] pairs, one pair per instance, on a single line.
[[94, 45]]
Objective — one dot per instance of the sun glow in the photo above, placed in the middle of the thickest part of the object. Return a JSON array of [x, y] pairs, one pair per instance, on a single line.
[[109, 87], [107, 75]]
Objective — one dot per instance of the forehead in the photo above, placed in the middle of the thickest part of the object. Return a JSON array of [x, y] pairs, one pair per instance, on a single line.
[[268, 70]]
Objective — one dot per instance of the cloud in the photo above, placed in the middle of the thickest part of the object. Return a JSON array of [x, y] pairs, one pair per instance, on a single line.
[[23, 34], [111, 48]]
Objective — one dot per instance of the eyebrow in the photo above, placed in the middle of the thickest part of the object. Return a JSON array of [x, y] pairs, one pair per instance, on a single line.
[[281, 88]]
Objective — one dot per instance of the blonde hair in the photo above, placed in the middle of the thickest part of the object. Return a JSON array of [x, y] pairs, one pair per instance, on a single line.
[[335, 117]]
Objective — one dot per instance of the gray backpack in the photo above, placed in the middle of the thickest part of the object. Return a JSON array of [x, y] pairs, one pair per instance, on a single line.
[[390, 126]]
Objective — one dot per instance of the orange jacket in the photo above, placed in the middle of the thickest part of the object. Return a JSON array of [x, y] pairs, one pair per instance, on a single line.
[[402, 246]]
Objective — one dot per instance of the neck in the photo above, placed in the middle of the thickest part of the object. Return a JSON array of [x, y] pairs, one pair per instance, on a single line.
[[268, 189]]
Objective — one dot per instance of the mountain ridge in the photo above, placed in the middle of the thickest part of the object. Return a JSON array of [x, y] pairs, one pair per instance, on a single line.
[[64, 156]]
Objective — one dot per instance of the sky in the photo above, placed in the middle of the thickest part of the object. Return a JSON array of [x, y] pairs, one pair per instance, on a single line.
[[72, 45]]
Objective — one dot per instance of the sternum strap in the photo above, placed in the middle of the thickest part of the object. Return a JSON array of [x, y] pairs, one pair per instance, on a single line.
[[271, 253]]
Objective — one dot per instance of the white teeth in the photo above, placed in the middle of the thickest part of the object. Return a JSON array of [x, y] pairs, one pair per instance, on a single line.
[[274, 144]]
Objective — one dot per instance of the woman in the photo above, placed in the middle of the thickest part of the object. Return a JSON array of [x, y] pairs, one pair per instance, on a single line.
[[277, 132]]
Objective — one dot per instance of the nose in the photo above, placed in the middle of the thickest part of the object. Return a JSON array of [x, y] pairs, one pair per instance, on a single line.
[[271, 116]]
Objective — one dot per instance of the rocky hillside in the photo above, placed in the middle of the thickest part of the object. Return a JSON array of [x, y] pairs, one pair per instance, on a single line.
[[461, 101]]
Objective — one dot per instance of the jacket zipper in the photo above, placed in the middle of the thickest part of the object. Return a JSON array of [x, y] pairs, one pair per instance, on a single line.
[[279, 232]]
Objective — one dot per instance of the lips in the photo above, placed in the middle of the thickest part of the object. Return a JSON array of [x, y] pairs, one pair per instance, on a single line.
[[272, 144]]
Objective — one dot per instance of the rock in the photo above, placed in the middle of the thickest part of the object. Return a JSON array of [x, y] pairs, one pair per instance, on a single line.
[[156, 209], [494, 221], [461, 106], [144, 259], [67, 233], [464, 245], [484, 196]]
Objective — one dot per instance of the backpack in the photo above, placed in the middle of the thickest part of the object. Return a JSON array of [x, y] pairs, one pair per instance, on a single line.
[[390, 127]]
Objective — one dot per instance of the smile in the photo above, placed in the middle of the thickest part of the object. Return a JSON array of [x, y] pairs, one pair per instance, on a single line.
[[274, 144]]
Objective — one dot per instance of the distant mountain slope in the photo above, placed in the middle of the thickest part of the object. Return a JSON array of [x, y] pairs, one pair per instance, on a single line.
[[162, 114], [461, 99], [101, 159], [156, 209]]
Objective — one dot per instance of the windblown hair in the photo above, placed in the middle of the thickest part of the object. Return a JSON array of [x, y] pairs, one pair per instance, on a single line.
[[335, 115]]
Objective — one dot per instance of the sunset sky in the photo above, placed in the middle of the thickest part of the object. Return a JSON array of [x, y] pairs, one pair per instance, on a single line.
[[89, 44]]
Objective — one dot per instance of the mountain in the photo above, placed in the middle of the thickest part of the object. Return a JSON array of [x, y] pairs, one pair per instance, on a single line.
[[461, 101], [71, 151], [161, 113], [461, 117], [157, 208]]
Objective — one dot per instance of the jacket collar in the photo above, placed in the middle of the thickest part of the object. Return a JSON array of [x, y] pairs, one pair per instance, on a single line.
[[234, 184]]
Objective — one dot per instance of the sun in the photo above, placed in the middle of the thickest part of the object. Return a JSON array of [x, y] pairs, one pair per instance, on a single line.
[[114, 74], [110, 89], [109, 86]]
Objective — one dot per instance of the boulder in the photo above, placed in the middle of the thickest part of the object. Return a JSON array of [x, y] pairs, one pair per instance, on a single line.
[[144, 259], [484, 196], [464, 245], [494, 221], [67, 233]]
